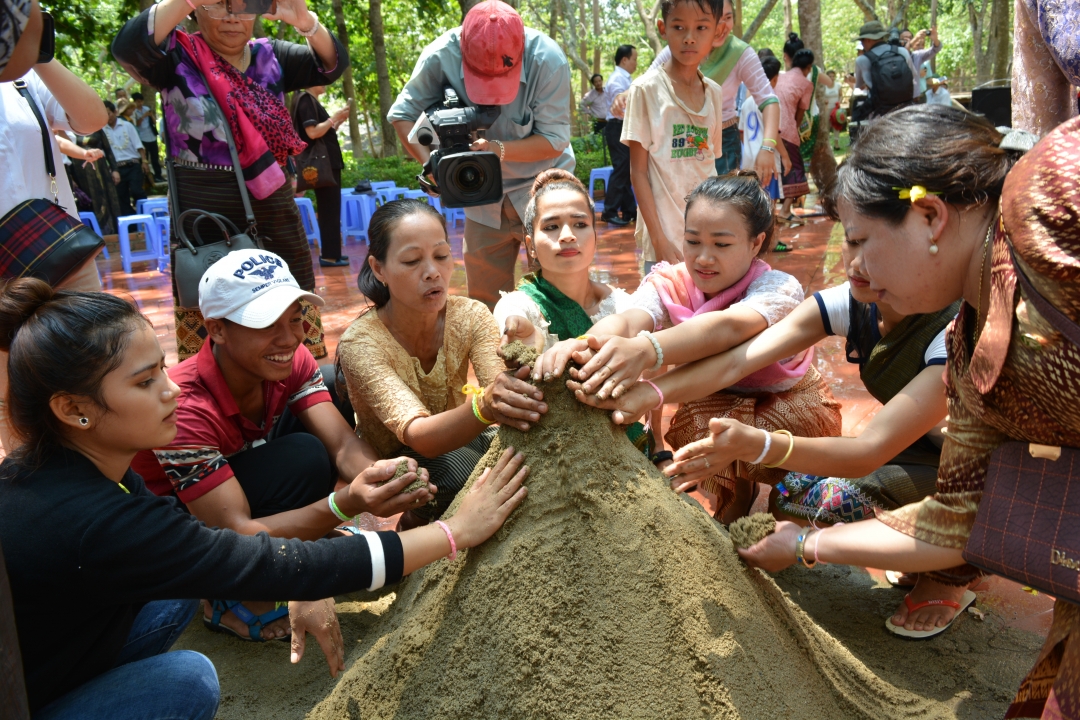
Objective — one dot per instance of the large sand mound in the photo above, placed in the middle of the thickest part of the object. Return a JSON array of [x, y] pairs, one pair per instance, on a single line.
[[604, 596]]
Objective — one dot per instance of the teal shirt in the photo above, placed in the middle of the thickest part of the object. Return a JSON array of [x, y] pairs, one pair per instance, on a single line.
[[542, 107]]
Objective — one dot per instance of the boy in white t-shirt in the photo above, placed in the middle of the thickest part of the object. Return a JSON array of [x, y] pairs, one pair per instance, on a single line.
[[673, 126]]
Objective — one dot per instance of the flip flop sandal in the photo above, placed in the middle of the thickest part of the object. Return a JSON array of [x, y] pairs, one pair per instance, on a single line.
[[901, 579], [782, 248], [254, 622], [966, 601]]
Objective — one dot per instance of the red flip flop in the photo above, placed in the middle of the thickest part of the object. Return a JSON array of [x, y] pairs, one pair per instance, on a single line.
[[959, 607]]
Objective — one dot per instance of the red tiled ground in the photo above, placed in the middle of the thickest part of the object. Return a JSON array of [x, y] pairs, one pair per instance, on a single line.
[[814, 260]]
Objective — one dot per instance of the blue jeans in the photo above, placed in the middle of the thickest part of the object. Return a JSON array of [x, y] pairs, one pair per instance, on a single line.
[[148, 682]]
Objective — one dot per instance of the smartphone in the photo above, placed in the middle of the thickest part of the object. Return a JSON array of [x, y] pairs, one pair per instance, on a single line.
[[47, 49], [251, 7]]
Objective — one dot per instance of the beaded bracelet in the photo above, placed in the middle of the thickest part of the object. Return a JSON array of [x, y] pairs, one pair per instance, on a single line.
[[336, 510], [656, 346], [310, 33], [450, 537], [502, 149], [765, 451], [790, 447]]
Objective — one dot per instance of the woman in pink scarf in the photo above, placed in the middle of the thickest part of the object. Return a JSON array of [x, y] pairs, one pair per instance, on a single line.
[[722, 295]]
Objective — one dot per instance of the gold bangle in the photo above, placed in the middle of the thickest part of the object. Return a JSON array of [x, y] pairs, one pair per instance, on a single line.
[[791, 446]]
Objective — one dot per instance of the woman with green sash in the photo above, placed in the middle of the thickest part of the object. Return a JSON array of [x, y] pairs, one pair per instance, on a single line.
[[731, 63], [893, 460], [560, 301], [808, 129]]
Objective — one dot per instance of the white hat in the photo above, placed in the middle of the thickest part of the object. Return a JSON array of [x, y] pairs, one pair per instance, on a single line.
[[251, 288]]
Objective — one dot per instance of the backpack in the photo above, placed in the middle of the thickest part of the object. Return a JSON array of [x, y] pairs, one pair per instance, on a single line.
[[891, 81]]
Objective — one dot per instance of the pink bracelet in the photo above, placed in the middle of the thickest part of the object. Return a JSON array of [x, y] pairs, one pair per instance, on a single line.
[[450, 537], [816, 561], [192, 5], [659, 392]]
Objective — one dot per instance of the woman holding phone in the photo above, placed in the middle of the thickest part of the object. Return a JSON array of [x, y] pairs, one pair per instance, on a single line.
[[246, 80]]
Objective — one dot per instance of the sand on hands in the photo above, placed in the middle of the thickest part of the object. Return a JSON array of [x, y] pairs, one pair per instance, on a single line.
[[402, 468], [605, 595], [747, 531]]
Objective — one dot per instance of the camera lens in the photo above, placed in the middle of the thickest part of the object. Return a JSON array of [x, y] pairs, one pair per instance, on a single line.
[[469, 178]]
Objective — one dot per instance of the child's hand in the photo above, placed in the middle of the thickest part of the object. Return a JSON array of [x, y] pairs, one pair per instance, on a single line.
[[519, 328]]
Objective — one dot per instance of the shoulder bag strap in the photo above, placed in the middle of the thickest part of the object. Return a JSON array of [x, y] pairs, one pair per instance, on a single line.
[[46, 137], [249, 214], [1055, 317]]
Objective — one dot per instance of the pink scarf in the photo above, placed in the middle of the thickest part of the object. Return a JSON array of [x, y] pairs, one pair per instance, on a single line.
[[683, 300], [259, 121]]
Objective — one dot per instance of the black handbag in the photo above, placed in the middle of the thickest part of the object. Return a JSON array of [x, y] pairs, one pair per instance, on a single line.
[[192, 259], [39, 238], [313, 168]]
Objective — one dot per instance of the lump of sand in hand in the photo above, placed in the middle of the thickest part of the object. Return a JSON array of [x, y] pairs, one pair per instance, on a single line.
[[747, 531], [517, 354], [402, 468]]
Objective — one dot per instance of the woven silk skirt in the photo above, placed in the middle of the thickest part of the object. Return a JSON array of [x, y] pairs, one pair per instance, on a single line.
[[808, 410], [280, 231]]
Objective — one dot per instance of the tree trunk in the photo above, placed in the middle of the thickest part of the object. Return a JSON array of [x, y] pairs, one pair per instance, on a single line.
[[762, 16], [370, 129], [736, 28], [596, 34], [822, 161], [983, 60], [933, 23], [466, 6], [347, 83], [868, 11], [648, 19], [999, 44], [378, 43], [788, 24]]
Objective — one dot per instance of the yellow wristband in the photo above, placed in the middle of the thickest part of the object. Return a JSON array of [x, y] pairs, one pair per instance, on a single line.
[[477, 413], [770, 140], [791, 446]]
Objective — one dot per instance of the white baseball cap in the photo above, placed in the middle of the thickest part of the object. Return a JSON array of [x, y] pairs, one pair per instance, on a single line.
[[251, 288]]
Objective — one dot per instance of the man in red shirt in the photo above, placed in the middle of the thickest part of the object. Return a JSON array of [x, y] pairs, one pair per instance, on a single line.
[[260, 446]]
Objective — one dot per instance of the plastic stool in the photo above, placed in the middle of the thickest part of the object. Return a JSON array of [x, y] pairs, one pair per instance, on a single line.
[[152, 206], [163, 225], [383, 185], [418, 195], [309, 220], [452, 216], [602, 174], [90, 220], [355, 215], [153, 240]]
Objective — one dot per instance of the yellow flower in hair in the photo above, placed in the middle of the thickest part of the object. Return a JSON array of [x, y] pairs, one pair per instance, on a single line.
[[914, 193]]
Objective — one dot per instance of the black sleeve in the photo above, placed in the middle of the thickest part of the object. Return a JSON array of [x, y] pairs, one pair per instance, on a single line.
[[145, 550], [134, 48], [306, 112], [301, 68]]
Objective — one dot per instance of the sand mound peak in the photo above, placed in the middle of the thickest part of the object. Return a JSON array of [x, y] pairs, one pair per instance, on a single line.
[[604, 596]]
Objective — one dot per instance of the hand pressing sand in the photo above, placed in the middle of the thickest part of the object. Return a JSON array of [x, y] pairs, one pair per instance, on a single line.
[[747, 531], [605, 595]]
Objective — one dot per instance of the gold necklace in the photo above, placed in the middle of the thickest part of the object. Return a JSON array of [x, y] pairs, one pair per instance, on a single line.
[[982, 273]]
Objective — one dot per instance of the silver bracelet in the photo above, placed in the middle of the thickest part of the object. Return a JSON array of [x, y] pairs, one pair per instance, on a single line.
[[502, 149], [310, 33], [768, 444], [656, 346], [770, 149]]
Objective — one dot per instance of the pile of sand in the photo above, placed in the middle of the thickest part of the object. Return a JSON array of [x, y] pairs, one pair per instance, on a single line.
[[747, 531], [604, 596]]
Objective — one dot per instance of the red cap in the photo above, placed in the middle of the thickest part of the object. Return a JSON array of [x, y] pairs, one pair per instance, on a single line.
[[492, 42]]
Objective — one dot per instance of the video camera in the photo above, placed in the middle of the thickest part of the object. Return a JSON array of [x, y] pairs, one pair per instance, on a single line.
[[463, 178]]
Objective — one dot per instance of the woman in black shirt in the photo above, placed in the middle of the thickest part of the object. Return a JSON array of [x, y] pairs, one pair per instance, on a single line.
[[312, 123], [88, 390]]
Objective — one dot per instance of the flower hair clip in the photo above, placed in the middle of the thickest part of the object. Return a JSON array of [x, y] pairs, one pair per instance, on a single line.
[[914, 193]]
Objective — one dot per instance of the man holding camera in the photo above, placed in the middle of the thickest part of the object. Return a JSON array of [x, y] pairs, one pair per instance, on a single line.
[[493, 59]]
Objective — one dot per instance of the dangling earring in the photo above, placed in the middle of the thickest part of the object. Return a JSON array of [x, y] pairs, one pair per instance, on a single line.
[[85, 422], [933, 245]]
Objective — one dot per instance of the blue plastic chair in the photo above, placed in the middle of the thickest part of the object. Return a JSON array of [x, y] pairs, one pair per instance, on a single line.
[[356, 211], [150, 231], [310, 221], [152, 206], [417, 195], [452, 216], [164, 235], [601, 174], [90, 220]]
